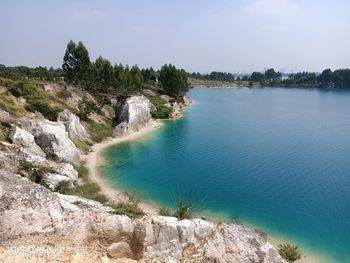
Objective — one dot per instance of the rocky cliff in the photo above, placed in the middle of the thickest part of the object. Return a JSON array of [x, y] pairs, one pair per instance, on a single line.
[[40, 158]]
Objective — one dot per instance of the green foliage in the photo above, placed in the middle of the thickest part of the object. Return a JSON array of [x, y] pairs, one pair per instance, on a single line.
[[215, 75], [174, 81], [64, 94], [81, 145], [34, 172], [35, 99], [22, 72], [130, 208], [183, 209], [76, 63], [83, 172], [165, 211], [271, 74], [86, 107], [63, 187], [100, 131], [289, 252], [8, 104], [162, 111], [89, 190], [257, 77]]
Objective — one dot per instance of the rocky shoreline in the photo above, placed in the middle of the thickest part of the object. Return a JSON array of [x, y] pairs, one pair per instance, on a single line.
[[39, 224]]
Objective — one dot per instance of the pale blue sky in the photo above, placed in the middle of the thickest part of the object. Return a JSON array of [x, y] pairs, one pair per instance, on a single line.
[[202, 35]]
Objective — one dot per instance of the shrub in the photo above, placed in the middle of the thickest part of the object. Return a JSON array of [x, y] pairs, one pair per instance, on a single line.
[[35, 99], [130, 208], [83, 172], [86, 107], [183, 209], [64, 94], [289, 252], [34, 172], [63, 187], [165, 211], [81, 145], [89, 190], [8, 104], [100, 131], [162, 111]]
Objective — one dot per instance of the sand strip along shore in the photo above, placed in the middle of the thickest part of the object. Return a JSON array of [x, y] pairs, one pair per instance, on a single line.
[[94, 159]]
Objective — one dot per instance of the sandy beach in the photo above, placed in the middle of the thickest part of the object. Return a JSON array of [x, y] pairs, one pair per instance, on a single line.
[[94, 159]]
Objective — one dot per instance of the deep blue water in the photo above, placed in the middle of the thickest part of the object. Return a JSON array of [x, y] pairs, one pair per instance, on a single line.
[[274, 158]]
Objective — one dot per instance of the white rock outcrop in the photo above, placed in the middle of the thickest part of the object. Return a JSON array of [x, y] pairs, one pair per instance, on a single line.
[[52, 138], [28, 208], [30, 150], [135, 111], [73, 126]]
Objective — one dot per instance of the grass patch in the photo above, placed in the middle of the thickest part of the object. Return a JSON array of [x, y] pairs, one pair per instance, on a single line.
[[89, 190], [2, 164], [289, 252], [100, 131], [8, 104], [130, 208], [64, 94], [34, 172], [165, 212], [84, 147], [183, 210], [35, 98], [86, 107], [162, 111], [83, 172]]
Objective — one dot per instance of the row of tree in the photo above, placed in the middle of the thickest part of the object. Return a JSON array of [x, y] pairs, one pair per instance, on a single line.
[[328, 78], [101, 76], [38, 73]]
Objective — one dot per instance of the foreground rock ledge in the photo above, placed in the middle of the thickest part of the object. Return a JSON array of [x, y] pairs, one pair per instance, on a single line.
[[28, 210]]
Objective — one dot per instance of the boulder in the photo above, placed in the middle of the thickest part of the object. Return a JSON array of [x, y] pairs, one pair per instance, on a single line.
[[108, 111], [30, 150], [52, 138], [52, 180], [135, 111], [119, 250], [73, 126], [5, 117]]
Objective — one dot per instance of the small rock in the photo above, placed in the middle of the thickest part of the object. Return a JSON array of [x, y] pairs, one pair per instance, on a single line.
[[119, 250]]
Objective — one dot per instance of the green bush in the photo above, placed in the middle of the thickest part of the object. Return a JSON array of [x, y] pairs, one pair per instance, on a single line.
[[8, 104], [130, 208], [35, 99], [83, 172], [289, 252], [165, 211], [86, 107], [183, 209], [81, 145], [162, 111], [89, 190], [64, 94], [63, 187], [100, 131]]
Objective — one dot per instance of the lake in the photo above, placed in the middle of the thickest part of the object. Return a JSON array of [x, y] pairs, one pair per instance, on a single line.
[[274, 158]]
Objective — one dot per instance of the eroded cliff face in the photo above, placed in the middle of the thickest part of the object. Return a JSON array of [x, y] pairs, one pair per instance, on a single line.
[[30, 209], [33, 214]]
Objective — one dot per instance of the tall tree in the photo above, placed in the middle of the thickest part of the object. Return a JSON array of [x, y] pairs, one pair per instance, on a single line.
[[174, 81], [76, 63]]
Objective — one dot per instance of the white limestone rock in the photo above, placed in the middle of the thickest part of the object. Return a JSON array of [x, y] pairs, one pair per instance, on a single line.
[[135, 111], [52, 138], [73, 126], [119, 250], [25, 139]]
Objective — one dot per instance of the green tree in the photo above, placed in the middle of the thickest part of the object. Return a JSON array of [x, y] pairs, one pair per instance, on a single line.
[[257, 77], [173, 81], [136, 79], [76, 63]]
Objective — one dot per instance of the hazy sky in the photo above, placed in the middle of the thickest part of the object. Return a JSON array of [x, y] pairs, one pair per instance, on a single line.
[[203, 35]]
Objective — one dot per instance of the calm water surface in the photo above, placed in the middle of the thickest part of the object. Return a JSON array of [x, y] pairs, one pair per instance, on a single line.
[[274, 158]]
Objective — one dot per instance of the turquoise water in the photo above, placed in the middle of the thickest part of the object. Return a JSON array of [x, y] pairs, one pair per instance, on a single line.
[[274, 158]]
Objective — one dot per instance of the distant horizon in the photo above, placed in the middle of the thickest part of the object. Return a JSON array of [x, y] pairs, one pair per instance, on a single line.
[[198, 36]]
